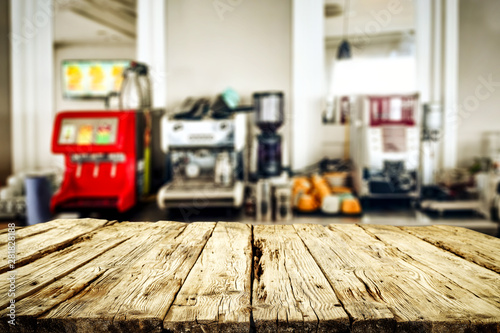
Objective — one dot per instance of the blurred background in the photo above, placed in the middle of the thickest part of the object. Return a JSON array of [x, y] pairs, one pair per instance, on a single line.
[[283, 111]]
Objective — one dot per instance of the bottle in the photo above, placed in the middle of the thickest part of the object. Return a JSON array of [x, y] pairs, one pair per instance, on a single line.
[[131, 95], [145, 89], [145, 85]]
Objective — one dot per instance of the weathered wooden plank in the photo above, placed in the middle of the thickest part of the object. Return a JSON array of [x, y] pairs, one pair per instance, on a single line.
[[137, 298], [29, 308], [144, 237], [36, 245], [464, 273], [23, 232], [38, 274], [290, 293], [340, 265], [421, 299], [125, 278], [482, 249], [216, 294]]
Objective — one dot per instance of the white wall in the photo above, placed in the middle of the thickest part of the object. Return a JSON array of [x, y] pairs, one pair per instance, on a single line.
[[85, 51], [245, 45], [247, 48], [479, 50]]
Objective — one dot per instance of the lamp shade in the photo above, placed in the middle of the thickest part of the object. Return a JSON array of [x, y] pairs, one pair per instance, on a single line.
[[344, 51]]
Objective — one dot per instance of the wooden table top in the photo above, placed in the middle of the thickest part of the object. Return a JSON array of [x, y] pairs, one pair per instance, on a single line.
[[100, 276]]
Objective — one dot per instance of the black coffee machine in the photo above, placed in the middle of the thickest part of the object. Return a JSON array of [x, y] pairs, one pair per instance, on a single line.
[[269, 117]]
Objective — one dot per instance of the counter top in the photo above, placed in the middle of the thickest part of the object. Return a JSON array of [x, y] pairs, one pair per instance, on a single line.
[[105, 276]]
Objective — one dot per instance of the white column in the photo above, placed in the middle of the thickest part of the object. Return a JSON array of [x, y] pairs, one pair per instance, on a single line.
[[32, 82], [423, 40], [437, 51], [450, 84], [437, 68], [151, 45], [308, 88]]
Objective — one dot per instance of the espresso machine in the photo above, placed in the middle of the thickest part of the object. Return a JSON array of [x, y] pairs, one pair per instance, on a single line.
[[385, 146], [206, 161]]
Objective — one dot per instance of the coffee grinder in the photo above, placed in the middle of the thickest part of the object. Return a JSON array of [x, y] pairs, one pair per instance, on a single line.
[[269, 117]]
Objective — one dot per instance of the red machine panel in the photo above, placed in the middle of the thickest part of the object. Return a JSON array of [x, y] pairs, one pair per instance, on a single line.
[[393, 110], [100, 159]]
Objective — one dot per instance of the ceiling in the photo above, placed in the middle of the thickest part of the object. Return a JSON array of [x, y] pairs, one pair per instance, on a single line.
[[366, 17], [114, 21], [96, 21]]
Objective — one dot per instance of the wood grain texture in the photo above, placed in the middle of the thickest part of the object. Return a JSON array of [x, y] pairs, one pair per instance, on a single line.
[[30, 307], [479, 248], [32, 230], [290, 293], [420, 299], [216, 295], [35, 245], [47, 269], [23, 232], [143, 237], [230, 277], [137, 297], [340, 265], [464, 273]]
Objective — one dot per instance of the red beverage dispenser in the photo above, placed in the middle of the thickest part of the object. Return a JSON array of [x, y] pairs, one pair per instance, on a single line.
[[105, 164]]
